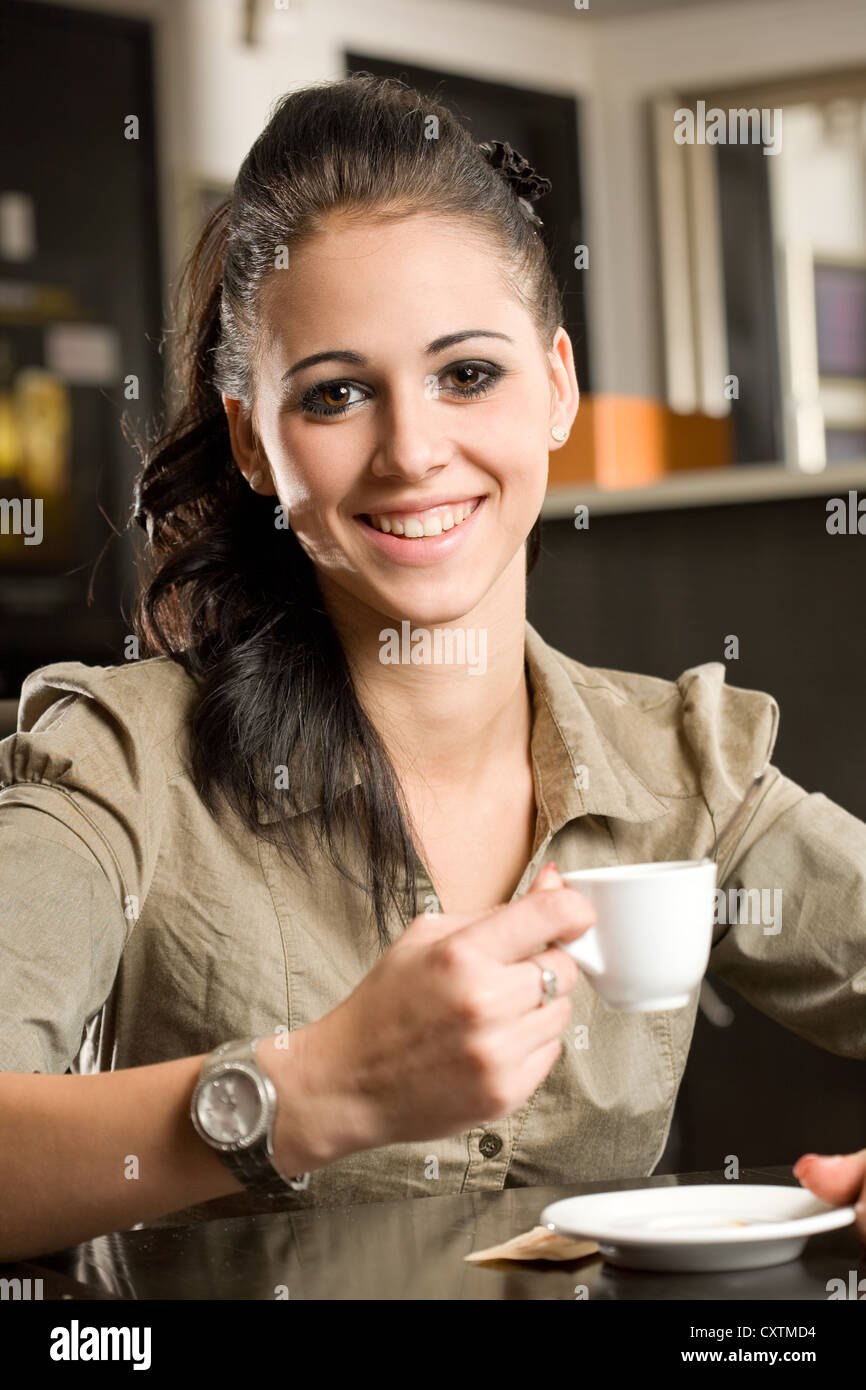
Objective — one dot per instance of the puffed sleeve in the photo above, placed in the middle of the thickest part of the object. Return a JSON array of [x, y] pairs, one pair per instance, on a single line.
[[790, 933], [77, 840]]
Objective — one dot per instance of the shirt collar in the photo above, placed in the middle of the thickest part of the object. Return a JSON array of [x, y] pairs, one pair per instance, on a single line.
[[577, 769]]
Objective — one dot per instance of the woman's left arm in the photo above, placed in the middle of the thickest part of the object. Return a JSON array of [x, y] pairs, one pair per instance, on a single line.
[[792, 941]]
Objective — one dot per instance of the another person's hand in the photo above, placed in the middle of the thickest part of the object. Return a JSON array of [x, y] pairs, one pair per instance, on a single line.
[[448, 1030], [839, 1179]]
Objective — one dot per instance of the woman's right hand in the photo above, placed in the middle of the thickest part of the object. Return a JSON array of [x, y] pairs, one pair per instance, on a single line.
[[445, 1032]]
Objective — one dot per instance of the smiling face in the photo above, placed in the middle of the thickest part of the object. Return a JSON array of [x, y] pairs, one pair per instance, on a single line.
[[430, 385]]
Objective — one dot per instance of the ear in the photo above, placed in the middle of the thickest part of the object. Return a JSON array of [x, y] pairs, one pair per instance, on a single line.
[[564, 390], [246, 451]]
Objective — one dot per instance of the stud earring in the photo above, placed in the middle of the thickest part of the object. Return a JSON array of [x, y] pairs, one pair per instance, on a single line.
[[256, 479], [560, 433]]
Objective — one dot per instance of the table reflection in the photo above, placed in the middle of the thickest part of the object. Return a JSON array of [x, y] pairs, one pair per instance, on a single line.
[[415, 1250]]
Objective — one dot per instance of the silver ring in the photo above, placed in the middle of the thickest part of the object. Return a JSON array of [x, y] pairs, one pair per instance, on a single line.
[[550, 985]]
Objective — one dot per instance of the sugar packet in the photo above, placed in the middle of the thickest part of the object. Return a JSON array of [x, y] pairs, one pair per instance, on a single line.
[[538, 1244]]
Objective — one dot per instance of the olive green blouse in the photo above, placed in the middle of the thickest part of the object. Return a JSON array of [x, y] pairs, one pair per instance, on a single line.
[[136, 928]]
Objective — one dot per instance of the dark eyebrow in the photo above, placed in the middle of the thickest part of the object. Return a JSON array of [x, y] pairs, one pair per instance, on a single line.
[[440, 344], [356, 359]]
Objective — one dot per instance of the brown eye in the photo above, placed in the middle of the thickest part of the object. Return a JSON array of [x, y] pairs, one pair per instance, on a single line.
[[335, 395], [332, 399], [467, 375], [470, 379]]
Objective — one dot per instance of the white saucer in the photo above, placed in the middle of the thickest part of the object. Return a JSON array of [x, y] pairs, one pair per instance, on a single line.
[[696, 1228]]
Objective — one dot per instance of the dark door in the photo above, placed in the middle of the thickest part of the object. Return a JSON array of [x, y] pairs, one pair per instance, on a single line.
[[83, 300]]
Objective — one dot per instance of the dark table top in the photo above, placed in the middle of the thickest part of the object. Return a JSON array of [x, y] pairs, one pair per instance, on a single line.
[[411, 1249]]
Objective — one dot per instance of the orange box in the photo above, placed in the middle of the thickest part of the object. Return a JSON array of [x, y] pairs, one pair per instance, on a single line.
[[629, 441]]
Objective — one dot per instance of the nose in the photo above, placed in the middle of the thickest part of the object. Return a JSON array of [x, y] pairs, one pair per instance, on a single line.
[[413, 439]]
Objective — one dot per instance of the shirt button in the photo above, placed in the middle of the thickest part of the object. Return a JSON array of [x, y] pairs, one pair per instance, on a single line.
[[490, 1144]]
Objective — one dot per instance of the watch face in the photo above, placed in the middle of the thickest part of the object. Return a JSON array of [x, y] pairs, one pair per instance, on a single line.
[[229, 1107]]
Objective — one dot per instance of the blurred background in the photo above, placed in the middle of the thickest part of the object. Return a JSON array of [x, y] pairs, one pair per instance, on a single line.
[[708, 226]]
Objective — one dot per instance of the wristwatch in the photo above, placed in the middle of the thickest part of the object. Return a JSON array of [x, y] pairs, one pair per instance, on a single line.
[[233, 1108]]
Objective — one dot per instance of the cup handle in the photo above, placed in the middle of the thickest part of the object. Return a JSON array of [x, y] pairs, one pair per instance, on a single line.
[[585, 951]]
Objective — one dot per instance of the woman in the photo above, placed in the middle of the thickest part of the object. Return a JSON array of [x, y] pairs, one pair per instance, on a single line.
[[268, 828]]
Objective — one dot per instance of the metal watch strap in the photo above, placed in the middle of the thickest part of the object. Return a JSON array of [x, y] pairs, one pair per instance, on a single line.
[[255, 1166]]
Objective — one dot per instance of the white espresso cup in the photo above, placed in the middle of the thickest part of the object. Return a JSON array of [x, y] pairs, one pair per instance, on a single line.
[[650, 942]]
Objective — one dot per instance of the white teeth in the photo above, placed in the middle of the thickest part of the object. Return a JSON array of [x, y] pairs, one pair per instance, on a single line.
[[417, 526]]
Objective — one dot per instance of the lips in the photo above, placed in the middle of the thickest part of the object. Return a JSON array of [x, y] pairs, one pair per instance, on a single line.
[[422, 504], [422, 522], [422, 549]]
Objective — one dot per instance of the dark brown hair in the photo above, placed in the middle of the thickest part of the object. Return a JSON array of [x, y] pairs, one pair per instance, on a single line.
[[227, 593]]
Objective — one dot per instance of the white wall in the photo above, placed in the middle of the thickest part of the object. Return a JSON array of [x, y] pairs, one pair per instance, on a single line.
[[679, 50], [820, 185], [214, 95]]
